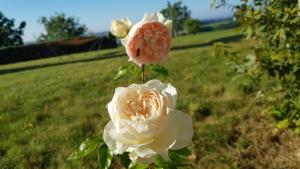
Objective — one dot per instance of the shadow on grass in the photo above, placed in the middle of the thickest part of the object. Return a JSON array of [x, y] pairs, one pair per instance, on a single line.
[[117, 54], [101, 57], [233, 38]]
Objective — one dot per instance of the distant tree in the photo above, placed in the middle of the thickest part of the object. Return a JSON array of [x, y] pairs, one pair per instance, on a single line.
[[9, 35], [178, 13], [61, 27], [192, 26]]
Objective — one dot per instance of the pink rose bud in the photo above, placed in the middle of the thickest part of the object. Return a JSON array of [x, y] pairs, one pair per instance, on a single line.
[[149, 41]]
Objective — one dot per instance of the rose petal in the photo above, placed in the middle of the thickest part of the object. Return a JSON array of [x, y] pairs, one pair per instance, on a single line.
[[120, 27], [184, 125], [153, 17], [144, 152], [163, 142], [146, 160], [177, 135], [114, 146], [167, 89], [169, 24], [127, 21]]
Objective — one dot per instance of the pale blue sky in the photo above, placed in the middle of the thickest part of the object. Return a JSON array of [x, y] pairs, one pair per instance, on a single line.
[[96, 14]]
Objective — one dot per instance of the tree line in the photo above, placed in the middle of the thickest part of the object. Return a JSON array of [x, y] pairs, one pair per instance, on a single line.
[[59, 26]]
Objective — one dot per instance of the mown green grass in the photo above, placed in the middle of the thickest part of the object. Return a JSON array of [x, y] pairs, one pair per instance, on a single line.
[[45, 112]]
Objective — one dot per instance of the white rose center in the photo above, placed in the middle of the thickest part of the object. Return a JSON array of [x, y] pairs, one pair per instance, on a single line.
[[141, 104]]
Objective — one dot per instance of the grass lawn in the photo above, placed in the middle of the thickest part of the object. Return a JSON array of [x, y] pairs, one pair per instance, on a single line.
[[49, 106]]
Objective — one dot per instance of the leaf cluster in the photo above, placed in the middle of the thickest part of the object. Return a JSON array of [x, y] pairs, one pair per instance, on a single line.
[[9, 34], [178, 158], [178, 13], [59, 27], [274, 25]]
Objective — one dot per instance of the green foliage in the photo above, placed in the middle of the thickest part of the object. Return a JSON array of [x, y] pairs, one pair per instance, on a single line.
[[134, 71], [218, 3], [178, 13], [86, 148], [178, 158], [104, 157], [9, 35], [192, 26], [125, 160], [181, 152], [283, 124], [121, 72], [159, 69], [59, 27], [138, 166], [274, 25], [127, 70]]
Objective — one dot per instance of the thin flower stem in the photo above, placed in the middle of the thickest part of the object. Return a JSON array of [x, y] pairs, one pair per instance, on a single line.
[[152, 166], [143, 73], [98, 158]]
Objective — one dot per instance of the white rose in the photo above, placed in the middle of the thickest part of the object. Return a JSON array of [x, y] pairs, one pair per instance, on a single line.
[[121, 27], [145, 123], [169, 24]]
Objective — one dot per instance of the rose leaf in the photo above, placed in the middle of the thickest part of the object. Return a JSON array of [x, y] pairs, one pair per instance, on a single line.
[[104, 157], [86, 148]]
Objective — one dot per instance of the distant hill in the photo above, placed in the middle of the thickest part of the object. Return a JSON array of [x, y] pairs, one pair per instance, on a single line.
[[101, 34], [218, 24], [215, 20]]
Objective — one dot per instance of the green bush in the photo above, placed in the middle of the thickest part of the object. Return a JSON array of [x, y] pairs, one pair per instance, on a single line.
[[274, 25]]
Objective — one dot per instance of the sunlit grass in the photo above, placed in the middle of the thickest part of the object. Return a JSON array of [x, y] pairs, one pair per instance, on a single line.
[[46, 112]]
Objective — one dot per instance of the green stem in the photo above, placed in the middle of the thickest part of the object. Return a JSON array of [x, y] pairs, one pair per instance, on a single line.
[[152, 166], [98, 158], [143, 73]]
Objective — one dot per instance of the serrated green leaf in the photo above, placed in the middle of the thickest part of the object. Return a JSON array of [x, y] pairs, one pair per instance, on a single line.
[[249, 32], [162, 164], [261, 28], [297, 130], [297, 102], [121, 72], [176, 160], [105, 157], [134, 69], [283, 124], [271, 99], [276, 113], [85, 148], [125, 160], [138, 166], [298, 122], [183, 152], [160, 69]]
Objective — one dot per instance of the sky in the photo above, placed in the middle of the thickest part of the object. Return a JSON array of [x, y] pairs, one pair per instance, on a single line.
[[96, 14]]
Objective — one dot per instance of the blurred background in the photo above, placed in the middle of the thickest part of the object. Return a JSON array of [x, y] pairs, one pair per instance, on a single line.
[[53, 28], [59, 66]]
